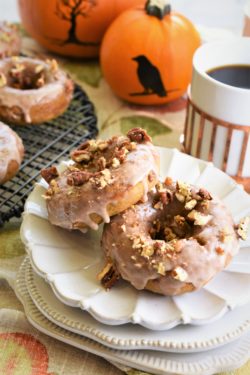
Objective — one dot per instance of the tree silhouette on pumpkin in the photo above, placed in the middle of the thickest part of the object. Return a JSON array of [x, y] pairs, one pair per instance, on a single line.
[[70, 10]]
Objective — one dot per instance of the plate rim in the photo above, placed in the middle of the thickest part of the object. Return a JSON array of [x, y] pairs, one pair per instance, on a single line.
[[127, 344], [136, 359]]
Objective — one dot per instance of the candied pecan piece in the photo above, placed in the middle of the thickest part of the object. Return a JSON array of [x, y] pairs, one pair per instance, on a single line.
[[49, 174], [83, 145], [80, 156], [108, 276], [101, 163], [78, 178], [138, 135], [204, 194]]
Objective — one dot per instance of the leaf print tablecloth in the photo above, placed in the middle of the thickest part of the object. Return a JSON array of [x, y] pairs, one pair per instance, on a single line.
[[23, 349]]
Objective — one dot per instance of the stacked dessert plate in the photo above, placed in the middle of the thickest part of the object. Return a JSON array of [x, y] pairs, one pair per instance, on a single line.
[[203, 332]]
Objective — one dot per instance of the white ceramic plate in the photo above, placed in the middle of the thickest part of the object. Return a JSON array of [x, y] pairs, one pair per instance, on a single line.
[[183, 339], [69, 261], [226, 358]]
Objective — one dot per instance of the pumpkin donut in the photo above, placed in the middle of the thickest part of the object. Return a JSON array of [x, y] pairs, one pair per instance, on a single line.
[[106, 178], [10, 41], [32, 91], [172, 244], [11, 153]]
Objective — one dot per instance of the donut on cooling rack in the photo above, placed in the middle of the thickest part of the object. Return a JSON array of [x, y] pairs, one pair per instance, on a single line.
[[11, 153], [171, 244], [32, 91], [10, 41], [106, 178]]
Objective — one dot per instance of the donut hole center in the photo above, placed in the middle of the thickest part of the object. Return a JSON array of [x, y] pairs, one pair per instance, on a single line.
[[173, 224], [24, 76]]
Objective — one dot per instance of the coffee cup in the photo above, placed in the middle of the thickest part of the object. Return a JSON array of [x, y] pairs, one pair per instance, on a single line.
[[217, 125]]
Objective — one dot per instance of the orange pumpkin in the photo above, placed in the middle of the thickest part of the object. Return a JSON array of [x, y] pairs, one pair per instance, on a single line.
[[71, 27], [146, 54]]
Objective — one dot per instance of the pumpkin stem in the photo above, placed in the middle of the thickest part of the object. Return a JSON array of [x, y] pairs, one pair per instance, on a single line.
[[158, 8]]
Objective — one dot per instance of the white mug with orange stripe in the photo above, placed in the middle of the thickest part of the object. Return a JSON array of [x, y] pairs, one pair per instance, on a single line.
[[217, 126]]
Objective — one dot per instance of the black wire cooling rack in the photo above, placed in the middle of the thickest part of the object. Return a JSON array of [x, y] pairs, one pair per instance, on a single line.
[[46, 144]]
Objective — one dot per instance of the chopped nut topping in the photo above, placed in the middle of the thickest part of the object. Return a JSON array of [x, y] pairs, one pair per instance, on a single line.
[[158, 206], [179, 274], [40, 82], [226, 235], [54, 186], [199, 218], [204, 194], [49, 174], [102, 145], [180, 197], [18, 68], [147, 251], [242, 228], [190, 204], [160, 187], [161, 269], [101, 163], [108, 276], [138, 135], [39, 68], [123, 227], [115, 163], [169, 234], [137, 242], [138, 265], [168, 181], [159, 245], [93, 145], [180, 220], [3, 80], [131, 146], [219, 250], [53, 65], [80, 156], [78, 178], [184, 190], [205, 204]]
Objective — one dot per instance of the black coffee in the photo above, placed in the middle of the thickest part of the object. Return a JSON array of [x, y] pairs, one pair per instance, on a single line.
[[233, 75]]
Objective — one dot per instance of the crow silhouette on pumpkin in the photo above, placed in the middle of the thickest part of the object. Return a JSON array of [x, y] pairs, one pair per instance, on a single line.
[[150, 78], [70, 10]]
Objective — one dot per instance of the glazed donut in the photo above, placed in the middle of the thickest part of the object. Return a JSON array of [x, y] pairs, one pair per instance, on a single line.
[[106, 178], [32, 91], [174, 243], [10, 41], [11, 153]]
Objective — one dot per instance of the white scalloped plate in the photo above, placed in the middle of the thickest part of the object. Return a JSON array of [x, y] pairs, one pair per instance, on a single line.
[[226, 358], [188, 339], [69, 261]]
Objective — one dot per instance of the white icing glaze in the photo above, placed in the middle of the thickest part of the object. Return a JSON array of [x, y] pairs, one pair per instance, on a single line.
[[69, 210], [201, 262], [26, 99], [9, 149]]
